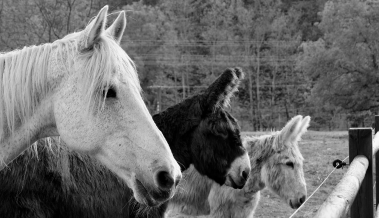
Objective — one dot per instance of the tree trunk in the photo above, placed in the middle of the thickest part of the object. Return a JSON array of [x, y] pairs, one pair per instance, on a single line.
[[251, 111], [272, 103], [159, 103], [69, 6], [175, 90], [257, 87], [183, 81], [90, 9], [287, 94], [187, 79]]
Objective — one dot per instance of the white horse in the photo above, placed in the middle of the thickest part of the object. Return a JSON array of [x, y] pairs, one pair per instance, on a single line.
[[276, 163], [85, 89]]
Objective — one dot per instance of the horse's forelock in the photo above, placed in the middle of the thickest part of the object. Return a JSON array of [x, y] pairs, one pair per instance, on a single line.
[[99, 64]]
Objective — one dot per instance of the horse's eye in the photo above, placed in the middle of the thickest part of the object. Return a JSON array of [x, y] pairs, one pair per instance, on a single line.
[[111, 93], [290, 164]]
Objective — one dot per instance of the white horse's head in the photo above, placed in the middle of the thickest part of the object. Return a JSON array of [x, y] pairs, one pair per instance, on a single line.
[[98, 109], [283, 171]]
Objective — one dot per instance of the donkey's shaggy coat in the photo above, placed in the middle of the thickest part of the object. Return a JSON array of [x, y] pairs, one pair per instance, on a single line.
[[276, 163]]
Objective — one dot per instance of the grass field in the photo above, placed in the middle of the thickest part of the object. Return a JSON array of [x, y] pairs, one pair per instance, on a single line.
[[319, 149]]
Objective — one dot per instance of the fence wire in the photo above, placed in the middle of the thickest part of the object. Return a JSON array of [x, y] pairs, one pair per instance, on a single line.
[[294, 213]]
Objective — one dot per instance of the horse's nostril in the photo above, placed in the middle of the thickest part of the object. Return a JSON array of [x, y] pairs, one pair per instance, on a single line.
[[164, 180], [302, 199], [245, 174]]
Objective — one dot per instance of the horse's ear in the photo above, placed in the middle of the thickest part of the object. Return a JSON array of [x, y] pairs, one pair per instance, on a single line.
[[116, 30], [96, 28], [218, 94]]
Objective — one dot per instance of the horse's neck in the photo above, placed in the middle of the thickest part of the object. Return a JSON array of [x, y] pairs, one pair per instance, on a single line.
[[39, 125], [31, 120]]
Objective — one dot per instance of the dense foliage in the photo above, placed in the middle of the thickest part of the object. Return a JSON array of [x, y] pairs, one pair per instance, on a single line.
[[309, 57]]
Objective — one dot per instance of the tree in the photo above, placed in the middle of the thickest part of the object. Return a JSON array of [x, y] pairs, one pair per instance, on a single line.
[[39, 21], [343, 66]]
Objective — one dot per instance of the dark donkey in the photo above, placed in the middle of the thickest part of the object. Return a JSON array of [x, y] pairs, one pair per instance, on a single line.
[[62, 183]]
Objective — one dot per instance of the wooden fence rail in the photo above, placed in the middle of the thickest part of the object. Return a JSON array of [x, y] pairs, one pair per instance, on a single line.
[[355, 190], [338, 203]]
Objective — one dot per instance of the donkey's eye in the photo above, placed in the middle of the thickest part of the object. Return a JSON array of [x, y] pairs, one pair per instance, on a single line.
[[111, 93], [290, 164]]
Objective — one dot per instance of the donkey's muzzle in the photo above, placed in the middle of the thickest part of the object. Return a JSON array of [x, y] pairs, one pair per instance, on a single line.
[[245, 174], [296, 203], [238, 182], [239, 172]]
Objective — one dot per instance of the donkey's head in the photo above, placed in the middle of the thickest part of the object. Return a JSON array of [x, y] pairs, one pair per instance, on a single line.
[[201, 132], [98, 109], [283, 171]]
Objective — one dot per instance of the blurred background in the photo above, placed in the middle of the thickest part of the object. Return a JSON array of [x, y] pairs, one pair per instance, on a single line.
[[308, 57]]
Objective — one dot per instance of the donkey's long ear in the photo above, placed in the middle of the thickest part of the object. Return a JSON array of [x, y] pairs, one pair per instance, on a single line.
[[304, 126], [116, 30], [96, 28], [293, 130], [289, 132], [222, 89]]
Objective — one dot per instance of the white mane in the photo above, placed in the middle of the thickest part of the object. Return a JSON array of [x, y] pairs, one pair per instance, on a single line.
[[24, 74]]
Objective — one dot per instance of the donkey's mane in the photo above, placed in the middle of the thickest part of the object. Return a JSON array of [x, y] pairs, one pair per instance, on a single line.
[[24, 74], [266, 145]]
